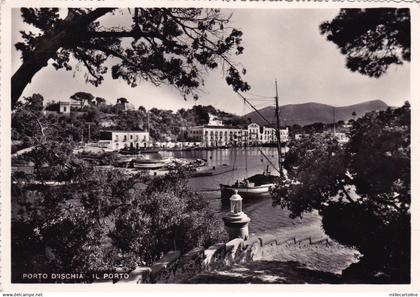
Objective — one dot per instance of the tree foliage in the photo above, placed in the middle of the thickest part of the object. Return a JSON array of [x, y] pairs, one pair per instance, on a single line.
[[122, 100], [372, 39], [174, 46], [361, 189], [83, 97], [99, 220], [30, 125]]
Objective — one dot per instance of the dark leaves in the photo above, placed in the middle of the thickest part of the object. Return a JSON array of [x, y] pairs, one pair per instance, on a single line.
[[174, 46], [371, 39]]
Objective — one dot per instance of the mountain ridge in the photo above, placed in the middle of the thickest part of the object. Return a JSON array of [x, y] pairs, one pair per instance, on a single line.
[[313, 112]]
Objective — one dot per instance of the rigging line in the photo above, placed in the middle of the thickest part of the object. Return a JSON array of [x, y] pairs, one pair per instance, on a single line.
[[269, 161], [256, 110], [234, 163], [246, 161], [261, 96], [262, 100]]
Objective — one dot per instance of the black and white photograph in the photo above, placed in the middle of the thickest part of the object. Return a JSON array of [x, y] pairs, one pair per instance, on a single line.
[[210, 145]]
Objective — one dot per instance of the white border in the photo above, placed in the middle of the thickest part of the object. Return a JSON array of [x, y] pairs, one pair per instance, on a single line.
[[5, 138]]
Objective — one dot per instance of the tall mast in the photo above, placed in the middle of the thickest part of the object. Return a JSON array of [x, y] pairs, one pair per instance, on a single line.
[[148, 122], [334, 121], [278, 131]]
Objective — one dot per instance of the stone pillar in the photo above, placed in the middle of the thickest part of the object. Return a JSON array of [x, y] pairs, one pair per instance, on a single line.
[[236, 221]]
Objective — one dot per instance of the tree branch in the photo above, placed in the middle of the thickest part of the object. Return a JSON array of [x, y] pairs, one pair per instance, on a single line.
[[49, 43]]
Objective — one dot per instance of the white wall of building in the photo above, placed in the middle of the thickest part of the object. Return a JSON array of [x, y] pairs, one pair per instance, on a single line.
[[225, 135], [117, 140]]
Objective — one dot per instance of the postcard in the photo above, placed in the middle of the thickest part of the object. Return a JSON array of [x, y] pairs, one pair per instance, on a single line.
[[153, 145]]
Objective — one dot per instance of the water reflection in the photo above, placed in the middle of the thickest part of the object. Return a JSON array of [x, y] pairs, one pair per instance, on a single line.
[[247, 162]]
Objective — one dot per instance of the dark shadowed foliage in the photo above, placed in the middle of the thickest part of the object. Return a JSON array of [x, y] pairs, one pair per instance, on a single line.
[[371, 39]]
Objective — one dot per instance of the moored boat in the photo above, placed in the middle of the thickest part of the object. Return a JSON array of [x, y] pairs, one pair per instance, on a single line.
[[259, 185], [152, 161], [256, 186], [148, 164]]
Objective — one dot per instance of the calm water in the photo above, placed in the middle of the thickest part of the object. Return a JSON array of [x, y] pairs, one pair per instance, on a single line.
[[247, 162]]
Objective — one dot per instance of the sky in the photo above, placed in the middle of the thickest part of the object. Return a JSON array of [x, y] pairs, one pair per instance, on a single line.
[[282, 44]]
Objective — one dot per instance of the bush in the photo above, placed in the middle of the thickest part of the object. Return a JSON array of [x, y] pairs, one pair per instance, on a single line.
[[103, 220]]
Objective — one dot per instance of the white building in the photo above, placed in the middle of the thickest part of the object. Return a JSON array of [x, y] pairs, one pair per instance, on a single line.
[[216, 135], [269, 135], [341, 137], [253, 134], [284, 135], [64, 107], [259, 135], [116, 140], [219, 135]]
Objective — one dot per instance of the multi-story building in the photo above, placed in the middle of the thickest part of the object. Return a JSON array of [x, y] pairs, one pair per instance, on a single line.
[[253, 134], [284, 135], [259, 135], [219, 135], [269, 135], [116, 140], [216, 135]]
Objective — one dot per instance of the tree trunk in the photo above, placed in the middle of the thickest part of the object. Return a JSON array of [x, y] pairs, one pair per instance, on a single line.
[[51, 42], [23, 76]]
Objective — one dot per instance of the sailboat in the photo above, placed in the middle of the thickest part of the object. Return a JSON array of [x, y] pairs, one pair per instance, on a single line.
[[258, 185]]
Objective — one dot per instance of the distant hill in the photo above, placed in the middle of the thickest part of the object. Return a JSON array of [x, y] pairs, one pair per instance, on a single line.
[[309, 113]]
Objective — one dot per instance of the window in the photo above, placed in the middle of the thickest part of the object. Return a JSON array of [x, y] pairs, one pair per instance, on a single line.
[[125, 138], [65, 109], [131, 136]]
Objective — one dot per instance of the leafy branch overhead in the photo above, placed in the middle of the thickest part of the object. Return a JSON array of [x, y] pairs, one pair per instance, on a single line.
[[174, 46], [371, 39]]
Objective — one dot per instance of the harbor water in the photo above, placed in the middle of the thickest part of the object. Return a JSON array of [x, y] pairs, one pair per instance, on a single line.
[[246, 162]]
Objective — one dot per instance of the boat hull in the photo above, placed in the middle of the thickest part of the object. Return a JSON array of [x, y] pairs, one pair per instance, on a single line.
[[148, 165], [251, 192]]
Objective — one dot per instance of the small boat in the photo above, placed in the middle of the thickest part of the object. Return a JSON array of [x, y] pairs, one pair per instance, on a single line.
[[129, 151], [256, 186], [148, 164], [259, 185], [153, 161], [215, 170]]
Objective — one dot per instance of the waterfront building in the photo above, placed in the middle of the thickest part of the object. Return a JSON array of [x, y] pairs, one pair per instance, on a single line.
[[116, 140], [284, 135], [219, 135], [254, 136], [214, 136], [260, 135]]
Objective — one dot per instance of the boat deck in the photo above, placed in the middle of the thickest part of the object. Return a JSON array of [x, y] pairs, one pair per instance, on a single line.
[[215, 170]]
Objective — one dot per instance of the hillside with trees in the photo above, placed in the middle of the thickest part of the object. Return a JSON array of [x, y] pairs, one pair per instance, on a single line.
[[30, 123]]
